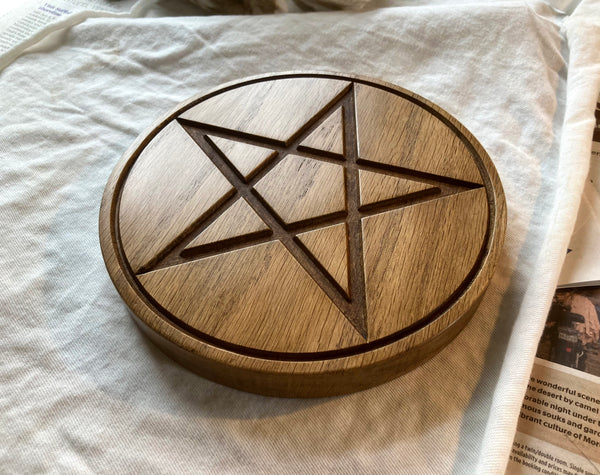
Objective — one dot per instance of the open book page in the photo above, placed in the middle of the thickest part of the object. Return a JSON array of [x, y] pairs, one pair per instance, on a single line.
[[35, 19], [559, 424]]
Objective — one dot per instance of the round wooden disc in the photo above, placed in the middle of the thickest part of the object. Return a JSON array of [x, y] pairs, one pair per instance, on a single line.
[[303, 234]]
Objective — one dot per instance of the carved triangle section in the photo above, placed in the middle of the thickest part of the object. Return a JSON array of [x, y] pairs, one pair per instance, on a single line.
[[377, 187], [173, 158], [259, 298], [405, 281], [327, 138], [246, 158], [277, 109], [397, 132], [329, 248], [237, 222], [299, 189]]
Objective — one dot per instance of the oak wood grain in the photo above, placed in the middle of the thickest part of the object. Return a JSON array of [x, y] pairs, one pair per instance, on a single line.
[[329, 247], [376, 187], [303, 234], [328, 138], [413, 137], [299, 189], [256, 314], [264, 109], [237, 221], [172, 184], [246, 158], [435, 247]]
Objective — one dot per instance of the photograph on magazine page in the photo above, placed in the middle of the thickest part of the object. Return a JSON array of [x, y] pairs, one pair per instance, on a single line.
[[572, 333]]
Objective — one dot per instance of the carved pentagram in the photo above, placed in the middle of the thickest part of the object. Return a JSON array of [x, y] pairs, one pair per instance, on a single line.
[[303, 234], [252, 190]]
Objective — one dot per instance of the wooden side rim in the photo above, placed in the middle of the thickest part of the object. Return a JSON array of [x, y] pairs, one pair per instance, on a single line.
[[318, 375]]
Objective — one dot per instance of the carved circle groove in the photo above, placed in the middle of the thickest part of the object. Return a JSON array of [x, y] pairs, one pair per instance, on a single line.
[[303, 234]]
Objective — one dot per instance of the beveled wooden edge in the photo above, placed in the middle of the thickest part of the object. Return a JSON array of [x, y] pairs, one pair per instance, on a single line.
[[211, 360], [334, 382]]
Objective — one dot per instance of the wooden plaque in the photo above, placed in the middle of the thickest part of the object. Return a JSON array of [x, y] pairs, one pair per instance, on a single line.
[[303, 234]]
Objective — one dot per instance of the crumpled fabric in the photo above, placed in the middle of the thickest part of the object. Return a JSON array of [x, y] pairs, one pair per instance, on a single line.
[[83, 391]]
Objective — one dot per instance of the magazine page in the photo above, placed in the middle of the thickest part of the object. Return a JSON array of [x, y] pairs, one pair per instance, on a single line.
[[582, 263], [559, 425], [33, 20]]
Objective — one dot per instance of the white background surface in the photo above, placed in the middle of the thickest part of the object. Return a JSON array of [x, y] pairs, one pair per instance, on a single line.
[[83, 391]]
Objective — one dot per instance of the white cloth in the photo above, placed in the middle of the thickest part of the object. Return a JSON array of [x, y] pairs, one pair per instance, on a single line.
[[84, 391]]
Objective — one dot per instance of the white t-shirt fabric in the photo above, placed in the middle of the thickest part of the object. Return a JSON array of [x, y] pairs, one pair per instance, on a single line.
[[84, 392]]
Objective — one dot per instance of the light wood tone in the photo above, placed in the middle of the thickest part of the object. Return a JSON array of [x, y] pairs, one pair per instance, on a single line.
[[245, 158], [153, 210], [299, 189], [414, 138], [376, 187], [237, 221], [269, 312], [404, 283], [268, 284], [263, 108], [329, 246], [328, 137]]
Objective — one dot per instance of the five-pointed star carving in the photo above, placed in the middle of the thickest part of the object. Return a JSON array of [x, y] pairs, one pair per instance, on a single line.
[[352, 303]]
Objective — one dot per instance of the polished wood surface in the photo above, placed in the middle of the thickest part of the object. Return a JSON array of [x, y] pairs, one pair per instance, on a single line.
[[405, 282], [303, 235], [246, 158], [275, 109], [300, 188], [328, 138], [377, 186], [402, 133], [237, 221], [329, 247], [157, 211], [252, 302]]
